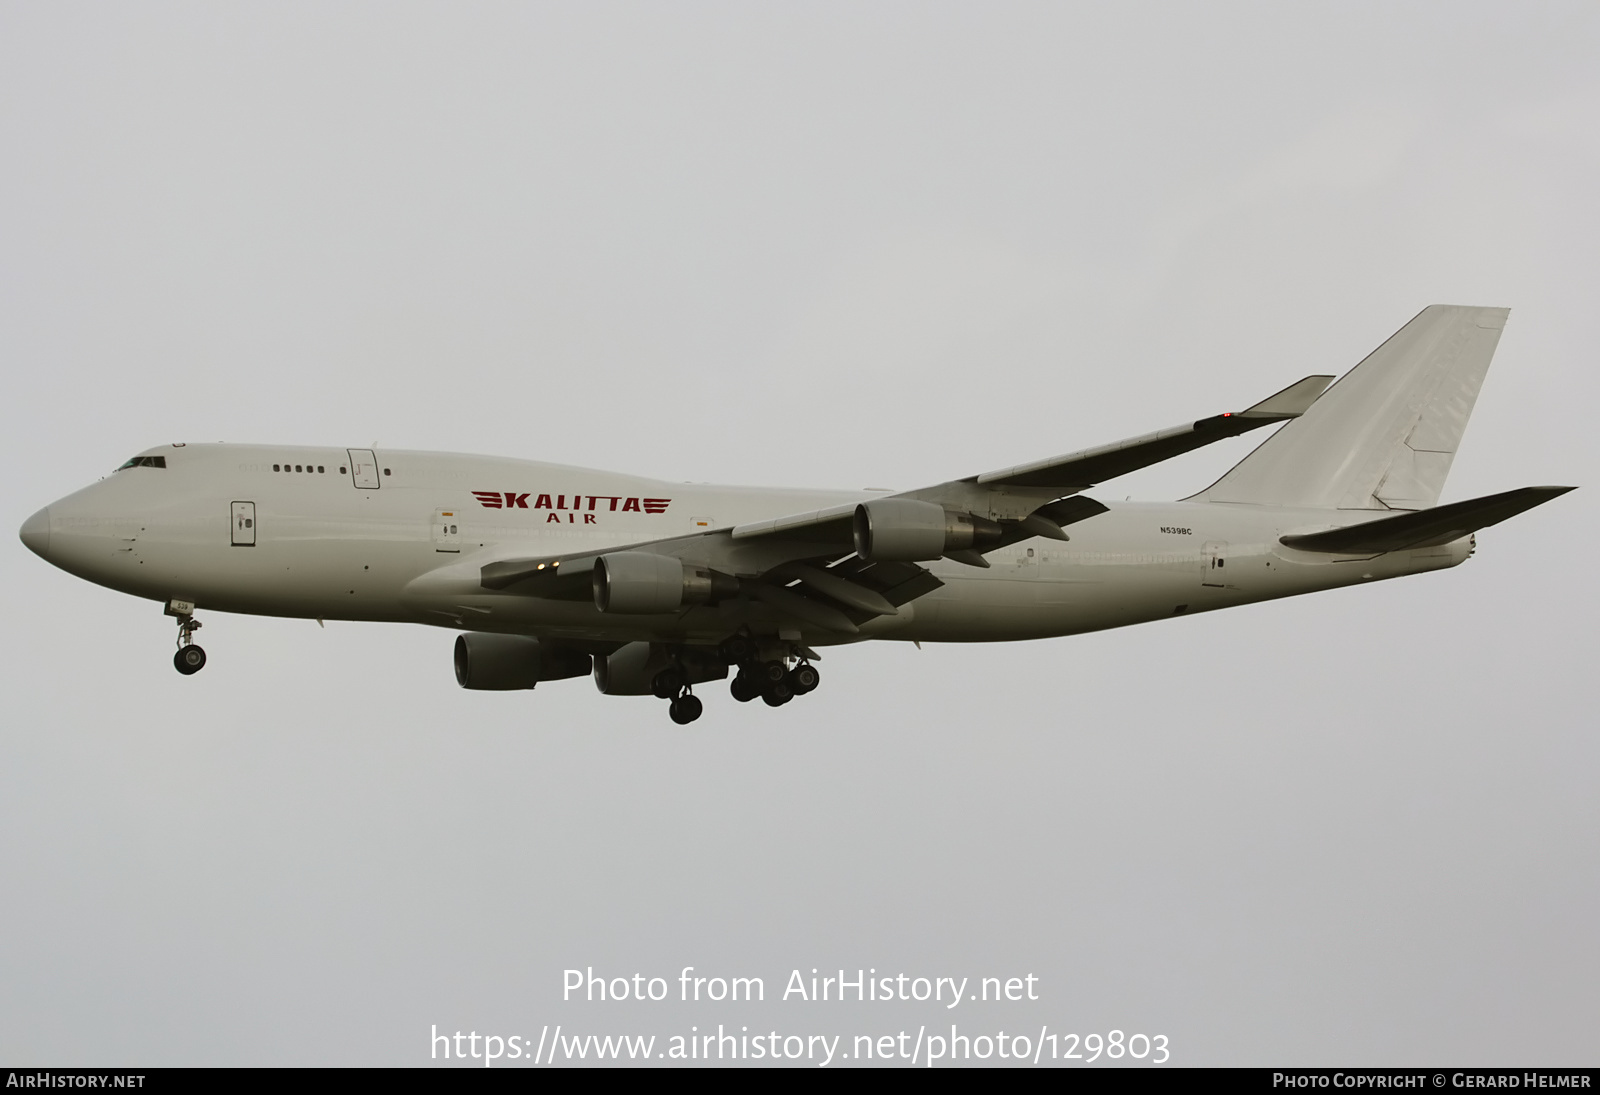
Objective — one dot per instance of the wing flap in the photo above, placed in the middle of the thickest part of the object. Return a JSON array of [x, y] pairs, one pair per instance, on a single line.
[[848, 593], [790, 603]]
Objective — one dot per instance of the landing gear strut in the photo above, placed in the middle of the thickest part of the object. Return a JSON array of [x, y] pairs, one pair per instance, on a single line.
[[190, 658]]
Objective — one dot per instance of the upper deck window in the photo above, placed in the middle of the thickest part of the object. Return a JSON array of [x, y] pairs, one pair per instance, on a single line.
[[146, 462]]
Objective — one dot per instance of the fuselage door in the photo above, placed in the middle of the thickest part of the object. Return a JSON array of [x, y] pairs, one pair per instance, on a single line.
[[446, 530], [364, 469], [1215, 558], [244, 524]]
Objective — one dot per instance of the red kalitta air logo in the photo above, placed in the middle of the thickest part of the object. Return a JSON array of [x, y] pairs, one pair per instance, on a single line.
[[586, 505]]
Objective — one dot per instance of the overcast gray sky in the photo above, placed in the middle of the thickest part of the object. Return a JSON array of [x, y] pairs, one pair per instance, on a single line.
[[831, 245]]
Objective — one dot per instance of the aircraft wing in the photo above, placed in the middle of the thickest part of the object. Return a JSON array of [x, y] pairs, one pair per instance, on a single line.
[[1016, 493], [1058, 476], [806, 566]]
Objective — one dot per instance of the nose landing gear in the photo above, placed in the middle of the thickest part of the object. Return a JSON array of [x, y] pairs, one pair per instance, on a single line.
[[190, 658]]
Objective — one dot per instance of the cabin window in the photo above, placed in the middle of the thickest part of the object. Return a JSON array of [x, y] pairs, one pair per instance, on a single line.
[[276, 468], [321, 469], [344, 471], [386, 471]]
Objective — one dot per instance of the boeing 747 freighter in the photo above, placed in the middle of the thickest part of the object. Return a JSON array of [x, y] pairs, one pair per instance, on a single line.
[[552, 572]]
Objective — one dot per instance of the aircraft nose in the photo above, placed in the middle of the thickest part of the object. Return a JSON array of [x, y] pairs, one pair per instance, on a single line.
[[35, 533]]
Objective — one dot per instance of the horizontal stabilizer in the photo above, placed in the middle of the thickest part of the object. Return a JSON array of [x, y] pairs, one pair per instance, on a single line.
[[1424, 528]]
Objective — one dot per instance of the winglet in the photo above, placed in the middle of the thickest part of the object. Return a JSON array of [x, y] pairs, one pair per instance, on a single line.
[[1292, 402]]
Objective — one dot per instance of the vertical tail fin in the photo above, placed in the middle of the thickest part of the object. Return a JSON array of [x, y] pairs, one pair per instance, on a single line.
[[1384, 436]]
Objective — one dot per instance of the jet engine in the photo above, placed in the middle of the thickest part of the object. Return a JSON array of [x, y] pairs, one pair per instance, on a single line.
[[642, 582], [500, 663], [633, 669], [905, 530]]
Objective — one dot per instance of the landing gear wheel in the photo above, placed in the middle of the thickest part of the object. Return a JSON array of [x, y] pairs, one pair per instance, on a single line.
[[744, 688], [772, 672], [685, 709], [803, 678], [777, 693], [189, 659], [667, 683]]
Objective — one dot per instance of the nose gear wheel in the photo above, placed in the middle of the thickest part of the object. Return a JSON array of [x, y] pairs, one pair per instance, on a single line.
[[190, 658]]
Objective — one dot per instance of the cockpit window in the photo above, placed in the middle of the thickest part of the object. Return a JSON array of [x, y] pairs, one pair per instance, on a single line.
[[145, 462]]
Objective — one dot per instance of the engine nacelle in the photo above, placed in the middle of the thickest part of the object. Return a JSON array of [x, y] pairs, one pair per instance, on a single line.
[[631, 670], [500, 663], [641, 583], [906, 530]]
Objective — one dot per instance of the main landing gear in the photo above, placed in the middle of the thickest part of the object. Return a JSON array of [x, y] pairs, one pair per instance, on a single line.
[[774, 681], [775, 670], [190, 658], [685, 709], [683, 706]]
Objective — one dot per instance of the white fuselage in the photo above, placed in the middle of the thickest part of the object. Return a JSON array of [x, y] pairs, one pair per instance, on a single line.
[[219, 527]]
